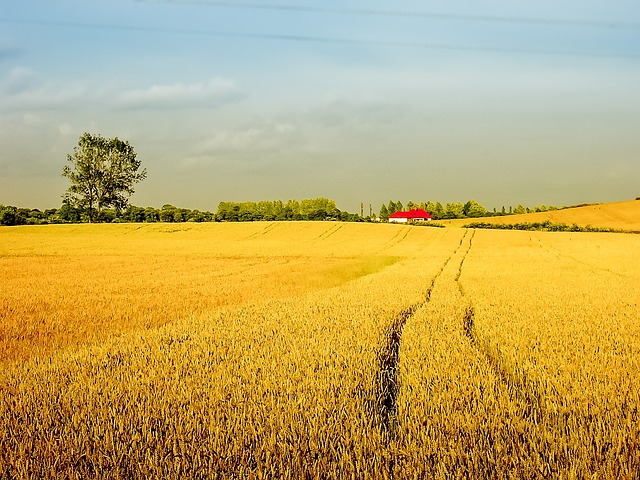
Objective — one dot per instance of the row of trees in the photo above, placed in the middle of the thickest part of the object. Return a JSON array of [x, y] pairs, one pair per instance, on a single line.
[[312, 209], [470, 209], [67, 213]]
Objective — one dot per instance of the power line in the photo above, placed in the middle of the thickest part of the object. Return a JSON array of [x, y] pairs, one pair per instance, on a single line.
[[318, 39], [615, 24]]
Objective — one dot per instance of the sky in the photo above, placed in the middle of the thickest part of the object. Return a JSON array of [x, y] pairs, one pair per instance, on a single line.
[[497, 101]]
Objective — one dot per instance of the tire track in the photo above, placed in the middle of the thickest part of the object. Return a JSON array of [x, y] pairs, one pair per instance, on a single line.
[[560, 254], [396, 239], [327, 233], [259, 233], [521, 390], [330, 234], [386, 385]]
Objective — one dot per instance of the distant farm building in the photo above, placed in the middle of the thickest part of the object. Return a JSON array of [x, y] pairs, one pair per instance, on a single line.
[[416, 215]]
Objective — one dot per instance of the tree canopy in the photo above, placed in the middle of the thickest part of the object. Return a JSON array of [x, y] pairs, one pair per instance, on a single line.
[[103, 172]]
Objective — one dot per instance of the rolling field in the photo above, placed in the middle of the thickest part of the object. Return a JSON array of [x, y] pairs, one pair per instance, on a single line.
[[318, 350], [616, 215]]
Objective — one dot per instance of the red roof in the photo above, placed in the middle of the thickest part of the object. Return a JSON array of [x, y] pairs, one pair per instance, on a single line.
[[412, 214]]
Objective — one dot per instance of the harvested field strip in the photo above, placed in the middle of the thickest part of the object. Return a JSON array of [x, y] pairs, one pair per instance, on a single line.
[[618, 215]]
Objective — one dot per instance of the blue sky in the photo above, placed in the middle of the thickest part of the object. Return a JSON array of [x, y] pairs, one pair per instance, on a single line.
[[501, 102]]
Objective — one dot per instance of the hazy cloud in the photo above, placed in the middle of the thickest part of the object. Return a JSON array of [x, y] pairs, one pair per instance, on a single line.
[[247, 147], [215, 92], [251, 139], [24, 89], [31, 119], [66, 129], [19, 80]]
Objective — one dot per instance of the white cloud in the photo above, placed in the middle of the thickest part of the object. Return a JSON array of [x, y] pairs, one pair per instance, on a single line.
[[32, 95], [24, 90], [214, 93]]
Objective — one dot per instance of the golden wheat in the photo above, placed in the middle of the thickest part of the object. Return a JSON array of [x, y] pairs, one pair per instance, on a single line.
[[70, 284], [616, 215], [320, 350]]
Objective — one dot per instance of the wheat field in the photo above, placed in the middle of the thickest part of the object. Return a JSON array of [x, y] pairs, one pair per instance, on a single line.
[[318, 350], [614, 215]]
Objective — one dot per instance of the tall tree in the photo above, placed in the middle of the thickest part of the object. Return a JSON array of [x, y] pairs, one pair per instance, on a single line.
[[103, 172], [473, 209], [519, 209], [384, 213], [453, 210]]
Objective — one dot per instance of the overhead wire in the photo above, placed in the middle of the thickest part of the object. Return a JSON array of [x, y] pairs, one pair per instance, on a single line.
[[313, 38], [605, 24]]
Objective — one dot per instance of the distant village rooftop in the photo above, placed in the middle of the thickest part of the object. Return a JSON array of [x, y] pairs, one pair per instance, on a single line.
[[415, 215]]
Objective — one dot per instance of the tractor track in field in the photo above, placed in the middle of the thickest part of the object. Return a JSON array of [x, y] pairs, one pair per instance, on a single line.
[[395, 240], [328, 232], [259, 233], [520, 388], [561, 254], [386, 386]]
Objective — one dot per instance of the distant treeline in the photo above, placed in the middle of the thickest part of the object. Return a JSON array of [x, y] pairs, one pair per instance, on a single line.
[[309, 209], [546, 226], [69, 214], [470, 209], [312, 209]]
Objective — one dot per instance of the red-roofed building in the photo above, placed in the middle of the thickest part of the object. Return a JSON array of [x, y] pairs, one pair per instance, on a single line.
[[415, 215]]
